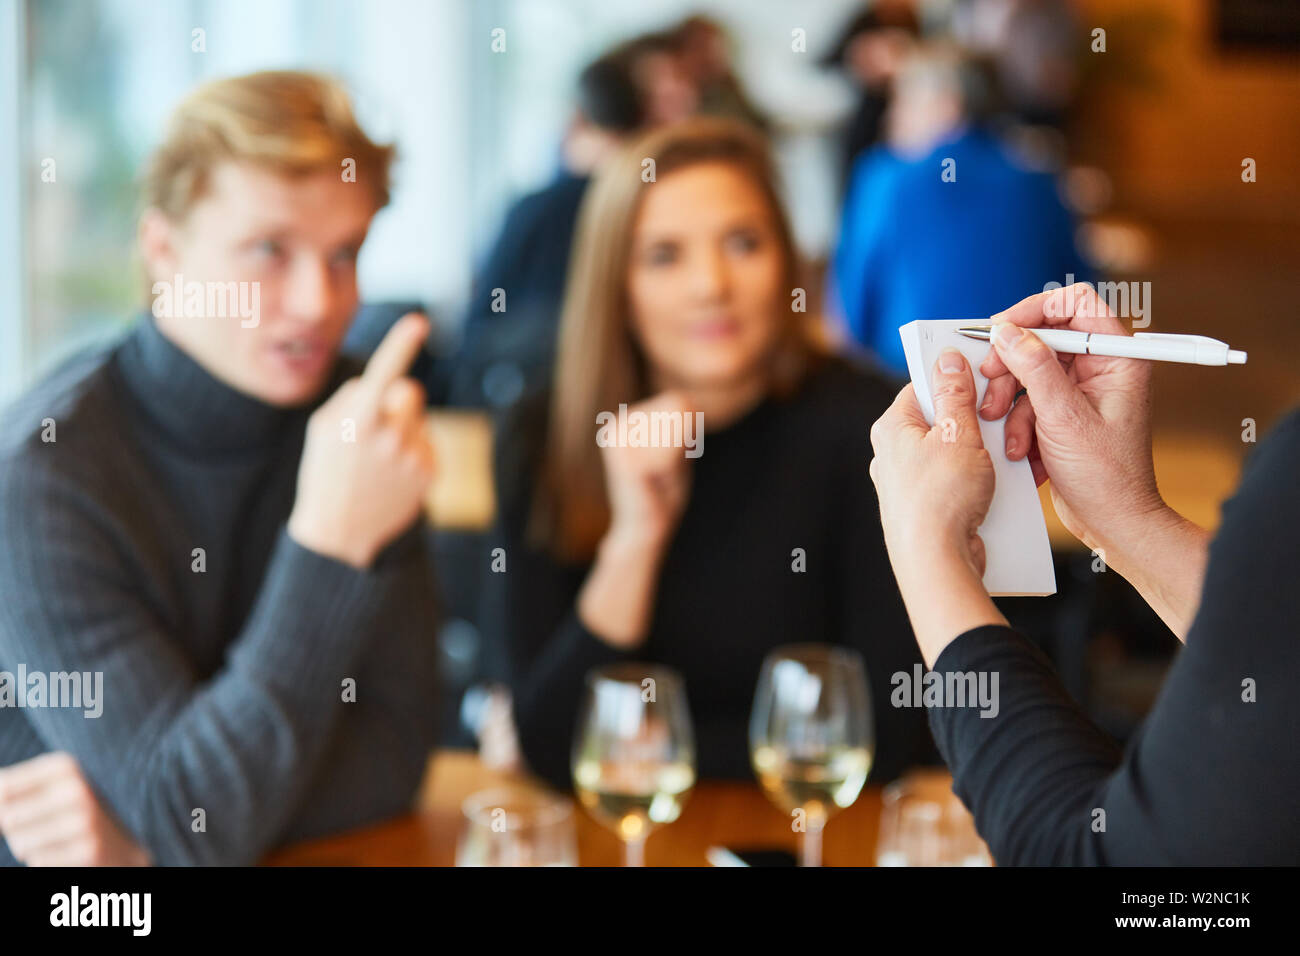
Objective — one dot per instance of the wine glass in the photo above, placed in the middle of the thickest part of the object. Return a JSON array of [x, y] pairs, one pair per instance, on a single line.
[[634, 755], [810, 735], [517, 826]]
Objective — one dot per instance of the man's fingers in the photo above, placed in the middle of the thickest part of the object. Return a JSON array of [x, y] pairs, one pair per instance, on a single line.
[[57, 797], [391, 359], [49, 831], [953, 387], [1050, 389], [403, 403], [19, 779]]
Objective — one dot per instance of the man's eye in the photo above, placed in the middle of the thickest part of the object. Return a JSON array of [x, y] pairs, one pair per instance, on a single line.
[[268, 248], [346, 256]]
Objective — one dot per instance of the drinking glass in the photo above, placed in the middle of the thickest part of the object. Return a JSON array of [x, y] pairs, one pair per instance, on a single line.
[[923, 823], [811, 740], [517, 826], [634, 754]]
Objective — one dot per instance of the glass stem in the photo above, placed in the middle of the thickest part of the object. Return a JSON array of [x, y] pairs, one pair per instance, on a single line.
[[634, 852], [810, 847]]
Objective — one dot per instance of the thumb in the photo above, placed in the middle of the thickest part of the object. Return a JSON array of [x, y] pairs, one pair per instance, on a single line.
[[954, 400], [1030, 360]]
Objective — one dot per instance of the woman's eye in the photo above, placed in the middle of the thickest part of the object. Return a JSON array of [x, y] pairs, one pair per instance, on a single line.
[[744, 241], [661, 254], [346, 257], [268, 249]]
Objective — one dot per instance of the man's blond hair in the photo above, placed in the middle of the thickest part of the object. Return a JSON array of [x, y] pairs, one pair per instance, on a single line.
[[292, 123]]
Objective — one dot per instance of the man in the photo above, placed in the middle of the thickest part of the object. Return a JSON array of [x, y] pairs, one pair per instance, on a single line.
[[515, 304], [215, 527], [945, 222]]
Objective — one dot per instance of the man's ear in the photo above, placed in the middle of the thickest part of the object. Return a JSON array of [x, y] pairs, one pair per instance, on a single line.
[[157, 238]]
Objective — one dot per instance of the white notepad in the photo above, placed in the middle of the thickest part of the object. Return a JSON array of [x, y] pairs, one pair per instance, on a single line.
[[1019, 556]]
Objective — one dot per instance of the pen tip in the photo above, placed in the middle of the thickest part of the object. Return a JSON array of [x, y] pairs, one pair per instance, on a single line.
[[1236, 358]]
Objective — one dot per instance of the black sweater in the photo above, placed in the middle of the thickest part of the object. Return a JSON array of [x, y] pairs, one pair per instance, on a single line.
[[222, 669], [790, 474], [1213, 775]]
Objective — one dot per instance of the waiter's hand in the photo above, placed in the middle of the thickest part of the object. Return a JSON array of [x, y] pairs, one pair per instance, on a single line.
[[935, 484]]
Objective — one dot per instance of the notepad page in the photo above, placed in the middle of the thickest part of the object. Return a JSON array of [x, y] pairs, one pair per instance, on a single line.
[[1017, 550]]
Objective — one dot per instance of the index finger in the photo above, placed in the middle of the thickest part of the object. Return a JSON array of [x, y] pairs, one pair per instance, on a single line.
[[391, 359], [1076, 307]]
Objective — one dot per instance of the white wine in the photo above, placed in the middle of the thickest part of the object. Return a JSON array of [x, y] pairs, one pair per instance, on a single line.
[[632, 798], [821, 785]]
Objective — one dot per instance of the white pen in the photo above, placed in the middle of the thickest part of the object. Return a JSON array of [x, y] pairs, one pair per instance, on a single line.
[[1153, 346]]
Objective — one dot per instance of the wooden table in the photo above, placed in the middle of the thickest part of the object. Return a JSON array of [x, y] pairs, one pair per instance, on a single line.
[[733, 814]]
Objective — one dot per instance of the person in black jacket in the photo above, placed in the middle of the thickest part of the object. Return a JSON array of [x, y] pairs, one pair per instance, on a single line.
[[705, 556], [1211, 776], [515, 301]]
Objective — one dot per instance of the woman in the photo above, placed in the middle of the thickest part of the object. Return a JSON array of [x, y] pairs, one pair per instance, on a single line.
[[683, 297], [1211, 777]]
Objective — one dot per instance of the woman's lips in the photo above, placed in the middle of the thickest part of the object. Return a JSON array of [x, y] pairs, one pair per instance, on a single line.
[[714, 329]]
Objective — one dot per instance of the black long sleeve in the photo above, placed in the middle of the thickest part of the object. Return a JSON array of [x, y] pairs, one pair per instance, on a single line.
[[780, 543], [1212, 775]]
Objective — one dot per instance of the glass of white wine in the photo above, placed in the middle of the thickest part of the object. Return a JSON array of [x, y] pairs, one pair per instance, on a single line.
[[811, 740], [634, 754]]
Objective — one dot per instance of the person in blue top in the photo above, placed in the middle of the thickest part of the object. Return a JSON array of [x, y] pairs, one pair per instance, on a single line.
[[945, 221]]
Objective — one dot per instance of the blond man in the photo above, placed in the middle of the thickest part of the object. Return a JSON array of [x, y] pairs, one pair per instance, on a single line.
[[212, 527]]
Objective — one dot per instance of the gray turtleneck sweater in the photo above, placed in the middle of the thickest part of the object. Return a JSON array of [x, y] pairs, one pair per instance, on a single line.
[[228, 719]]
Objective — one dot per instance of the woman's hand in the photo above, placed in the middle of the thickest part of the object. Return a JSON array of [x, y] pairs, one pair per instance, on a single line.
[[648, 489], [50, 816], [1085, 423], [935, 484]]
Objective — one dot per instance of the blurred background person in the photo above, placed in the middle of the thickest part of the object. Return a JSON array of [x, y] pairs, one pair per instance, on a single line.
[[1033, 46], [869, 52], [680, 301], [704, 51], [945, 221], [515, 304], [669, 92]]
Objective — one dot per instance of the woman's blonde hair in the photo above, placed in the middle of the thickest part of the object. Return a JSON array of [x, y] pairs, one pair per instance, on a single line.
[[599, 364], [290, 122]]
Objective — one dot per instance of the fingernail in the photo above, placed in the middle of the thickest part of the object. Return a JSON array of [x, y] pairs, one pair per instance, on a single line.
[[988, 400], [1011, 447], [1008, 334], [950, 360]]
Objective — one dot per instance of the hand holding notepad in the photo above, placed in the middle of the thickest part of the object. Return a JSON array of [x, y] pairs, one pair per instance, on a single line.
[[1017, 553]]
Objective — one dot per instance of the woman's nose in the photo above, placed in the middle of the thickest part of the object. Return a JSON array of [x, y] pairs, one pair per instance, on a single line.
[[709, 276]]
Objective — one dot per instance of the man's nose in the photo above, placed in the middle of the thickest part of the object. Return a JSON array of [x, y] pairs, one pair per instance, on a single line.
[[308, 293]]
